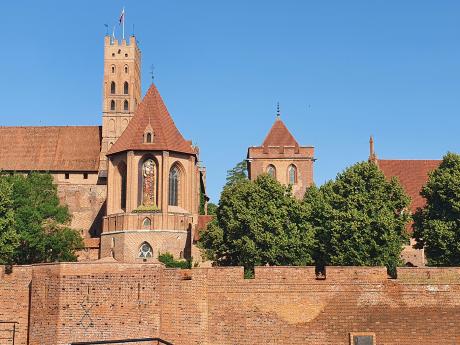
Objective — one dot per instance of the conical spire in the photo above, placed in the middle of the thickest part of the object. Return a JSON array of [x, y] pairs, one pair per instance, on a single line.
[[152, 114], [279, 135]]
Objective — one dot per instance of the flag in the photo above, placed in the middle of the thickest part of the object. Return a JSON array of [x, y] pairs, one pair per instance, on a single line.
[[122, 16]]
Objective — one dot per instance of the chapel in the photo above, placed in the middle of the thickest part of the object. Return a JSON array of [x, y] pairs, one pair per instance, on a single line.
[[133, 185]]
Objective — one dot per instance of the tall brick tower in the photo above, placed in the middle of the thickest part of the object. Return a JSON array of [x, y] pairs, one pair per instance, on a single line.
[[281, 156], [121, 91]]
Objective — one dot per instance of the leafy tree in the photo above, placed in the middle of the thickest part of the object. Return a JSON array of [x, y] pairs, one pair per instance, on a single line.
[[238, 173], [259, 222], [9, 239], [437, 225], [40, 222], [360, 218], [212, 208]]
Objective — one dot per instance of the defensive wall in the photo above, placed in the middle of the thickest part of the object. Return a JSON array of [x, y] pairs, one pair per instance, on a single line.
[[74, 302]]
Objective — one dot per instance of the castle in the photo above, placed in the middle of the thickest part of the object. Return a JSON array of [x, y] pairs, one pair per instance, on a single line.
[[135, 186]]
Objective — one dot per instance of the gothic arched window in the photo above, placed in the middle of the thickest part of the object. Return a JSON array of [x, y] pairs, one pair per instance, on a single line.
[[292, 174], [148, 139], [112, 105], [125, 88], [126, 69], [113, 69], [145, 251], [112, 87], [271, 171], [147, 223], [125, 105], [174, 175]]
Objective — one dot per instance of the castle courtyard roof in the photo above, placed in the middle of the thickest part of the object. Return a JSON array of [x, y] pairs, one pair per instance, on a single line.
[[69, 148], [152, 115], [412, 174]]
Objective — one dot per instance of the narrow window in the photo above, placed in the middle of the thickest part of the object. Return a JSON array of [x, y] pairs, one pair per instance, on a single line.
[[149, 138], [85, 176], [292, 172], [125, 105], [112, 105], [145, 251], [66, 176], [126, 69], [112, 87], [125, 88], [271, 171], [113, 69], [174, 186]]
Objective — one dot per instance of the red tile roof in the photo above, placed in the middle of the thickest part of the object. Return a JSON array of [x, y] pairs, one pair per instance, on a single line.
[[279, 135], [152, 111], [50, 148], [412, 174]]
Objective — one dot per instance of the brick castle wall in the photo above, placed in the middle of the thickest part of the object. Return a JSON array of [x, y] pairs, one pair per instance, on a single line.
[[281, 305]]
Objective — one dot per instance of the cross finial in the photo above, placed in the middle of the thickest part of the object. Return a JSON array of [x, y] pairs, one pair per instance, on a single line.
[[152, 68], [278, 109]]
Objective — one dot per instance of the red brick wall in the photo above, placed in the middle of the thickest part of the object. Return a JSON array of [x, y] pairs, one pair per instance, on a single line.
[[281, 305], [14, 303]]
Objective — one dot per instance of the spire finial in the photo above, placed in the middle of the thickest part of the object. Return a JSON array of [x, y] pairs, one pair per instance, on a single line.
[[152, 68], [372, 155], [278, 109]]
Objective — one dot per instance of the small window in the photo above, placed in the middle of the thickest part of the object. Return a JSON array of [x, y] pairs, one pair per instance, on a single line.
[[126, 55], [146, 223], [112, 88], [125, 88], [85, 176], [119, 51], [126, 69], [271, 171], [66, 176], [113, 54], [125, 105], [113, 69], [362, 339], [112, 105], [148, 139], [145, 251]]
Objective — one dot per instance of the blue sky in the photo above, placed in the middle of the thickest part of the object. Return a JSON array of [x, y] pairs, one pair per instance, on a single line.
[[341, 70]]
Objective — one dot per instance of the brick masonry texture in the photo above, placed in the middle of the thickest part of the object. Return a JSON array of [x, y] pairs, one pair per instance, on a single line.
[[281, 305]]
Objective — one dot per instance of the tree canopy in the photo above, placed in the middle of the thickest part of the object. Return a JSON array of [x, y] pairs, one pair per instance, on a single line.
[[437, 225], [37, 223], [237, 173], [360, 218], [259, 222]]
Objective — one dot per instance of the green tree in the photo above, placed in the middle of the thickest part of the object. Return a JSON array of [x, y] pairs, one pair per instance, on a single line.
[[437, 225], [259, 222], [238, 173], [360, 218], [9, 239], [40, 221], [212, 208]]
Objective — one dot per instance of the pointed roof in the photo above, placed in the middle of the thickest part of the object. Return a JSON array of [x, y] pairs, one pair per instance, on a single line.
[[279, 135], [152, 113]]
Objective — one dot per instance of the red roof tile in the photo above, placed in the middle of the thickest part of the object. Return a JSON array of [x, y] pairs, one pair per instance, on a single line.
[[412, 174], [279, 135], [166, 136], [50, 148]]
